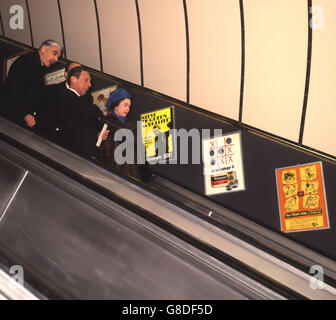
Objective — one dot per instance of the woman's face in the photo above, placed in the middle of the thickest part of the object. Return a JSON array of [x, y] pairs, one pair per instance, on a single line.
[[123, 108]]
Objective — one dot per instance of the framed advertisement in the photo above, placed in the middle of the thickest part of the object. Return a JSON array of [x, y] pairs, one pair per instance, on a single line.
[[301, 198], [101, 96], [223, 164], [54, 77], [157, 134], [8, 62]]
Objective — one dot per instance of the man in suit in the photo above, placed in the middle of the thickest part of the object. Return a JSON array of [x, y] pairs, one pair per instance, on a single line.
[[78, 118], [50, 111], [22, 92]]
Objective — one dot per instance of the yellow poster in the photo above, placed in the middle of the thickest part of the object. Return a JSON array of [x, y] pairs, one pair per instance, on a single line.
[[301, 197], [157, 134]]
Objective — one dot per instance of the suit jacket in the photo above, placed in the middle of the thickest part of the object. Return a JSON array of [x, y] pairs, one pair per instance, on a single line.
[[78, 124], [23, 87], [50, 111]]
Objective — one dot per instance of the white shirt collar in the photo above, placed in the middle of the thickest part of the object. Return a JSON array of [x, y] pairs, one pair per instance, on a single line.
[[73, 90]]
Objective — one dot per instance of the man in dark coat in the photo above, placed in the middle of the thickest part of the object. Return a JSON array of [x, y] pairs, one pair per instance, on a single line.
[[78, 119], [22, 92], [50, 112]]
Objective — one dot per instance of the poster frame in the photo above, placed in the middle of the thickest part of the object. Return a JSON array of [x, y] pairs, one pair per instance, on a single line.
[[174, 143], [56, 72], [281, 213], [206, 176]]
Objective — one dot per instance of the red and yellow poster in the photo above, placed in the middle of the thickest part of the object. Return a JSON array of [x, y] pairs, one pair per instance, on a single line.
[[301, 197]]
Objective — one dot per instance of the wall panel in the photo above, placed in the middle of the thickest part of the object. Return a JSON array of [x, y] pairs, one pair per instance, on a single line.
[[20, 35], [45, 21], [80, 32], [1, 24], [320, 128], [164, 46], [275, 65], [120, 42], [215, 55]]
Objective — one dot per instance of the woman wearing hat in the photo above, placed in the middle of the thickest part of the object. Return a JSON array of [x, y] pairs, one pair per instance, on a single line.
[[118, 107]]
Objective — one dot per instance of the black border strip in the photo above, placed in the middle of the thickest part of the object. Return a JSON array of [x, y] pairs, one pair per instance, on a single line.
[[99, 37], [30, 26], [62, 26], [309, 55], [140, 43], [187, 48], [242, 77], [2, 25]]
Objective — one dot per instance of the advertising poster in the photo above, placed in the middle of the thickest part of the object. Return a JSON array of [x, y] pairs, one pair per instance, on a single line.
[[8, 62], [156, 134], [54, 77], [223, 164], [301, 198], [101, 96]]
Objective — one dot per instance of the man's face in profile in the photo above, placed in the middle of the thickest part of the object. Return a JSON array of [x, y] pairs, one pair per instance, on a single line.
[[82, 84], [49, 55]]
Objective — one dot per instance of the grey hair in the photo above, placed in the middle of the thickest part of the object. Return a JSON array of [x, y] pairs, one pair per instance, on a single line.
[[51, 43]]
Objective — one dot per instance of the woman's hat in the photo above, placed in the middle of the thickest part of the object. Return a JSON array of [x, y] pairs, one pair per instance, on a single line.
[[117, 95]]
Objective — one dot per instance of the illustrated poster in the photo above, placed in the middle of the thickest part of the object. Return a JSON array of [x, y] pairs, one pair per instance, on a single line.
[[54, 77], [156, 134], [8, 62], [101, 96], [223, 164], [301, 198]]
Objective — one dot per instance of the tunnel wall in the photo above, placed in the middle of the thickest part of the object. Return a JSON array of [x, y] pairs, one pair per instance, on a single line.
[[265, 64]]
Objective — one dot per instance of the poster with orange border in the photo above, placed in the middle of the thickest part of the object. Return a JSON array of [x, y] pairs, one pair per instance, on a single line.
[[301, 197]]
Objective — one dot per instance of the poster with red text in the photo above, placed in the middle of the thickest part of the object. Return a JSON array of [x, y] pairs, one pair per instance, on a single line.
[[223, 164], [301, 197]]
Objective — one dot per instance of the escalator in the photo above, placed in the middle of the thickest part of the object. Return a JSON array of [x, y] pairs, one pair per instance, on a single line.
[[81, 232]]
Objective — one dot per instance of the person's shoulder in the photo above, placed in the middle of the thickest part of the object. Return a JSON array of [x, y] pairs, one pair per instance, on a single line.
[[71, 94], [97, 111], [54, 90], [111, 121], [129, 124], [56, 86], [28, 58], [65, 96], [27, 64]]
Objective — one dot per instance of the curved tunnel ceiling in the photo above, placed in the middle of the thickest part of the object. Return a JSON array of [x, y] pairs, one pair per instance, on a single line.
[[268, 64]]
